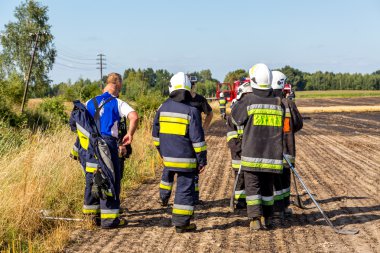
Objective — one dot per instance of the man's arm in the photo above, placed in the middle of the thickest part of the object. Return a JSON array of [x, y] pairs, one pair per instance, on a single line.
[[133, 122], [207, 121]]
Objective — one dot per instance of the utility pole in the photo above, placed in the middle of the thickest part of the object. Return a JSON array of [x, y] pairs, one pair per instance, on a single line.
[[102, 65], [30, 71]]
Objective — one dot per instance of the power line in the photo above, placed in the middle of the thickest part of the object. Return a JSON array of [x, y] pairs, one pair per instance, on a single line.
[[73, 67], [75, 61], [102, 65]]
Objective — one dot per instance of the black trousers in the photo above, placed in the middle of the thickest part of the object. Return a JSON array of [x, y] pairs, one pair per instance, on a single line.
[[259, 191]]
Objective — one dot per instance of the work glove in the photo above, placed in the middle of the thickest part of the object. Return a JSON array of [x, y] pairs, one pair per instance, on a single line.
[[100, 186]]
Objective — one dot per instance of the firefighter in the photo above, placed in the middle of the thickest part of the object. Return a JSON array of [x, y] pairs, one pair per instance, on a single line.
[[200, 102], [179, 138], [222, 105], [111, 110], [261, 114], [234, 137], [293, 122]]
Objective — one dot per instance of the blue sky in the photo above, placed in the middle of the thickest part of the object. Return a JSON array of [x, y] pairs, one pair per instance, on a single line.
[[220, 35]]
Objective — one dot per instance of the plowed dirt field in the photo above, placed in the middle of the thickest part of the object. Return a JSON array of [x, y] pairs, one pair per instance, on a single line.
[[338, 158]]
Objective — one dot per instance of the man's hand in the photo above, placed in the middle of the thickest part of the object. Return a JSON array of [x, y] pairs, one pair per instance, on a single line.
[[201, 168], [127, 139]]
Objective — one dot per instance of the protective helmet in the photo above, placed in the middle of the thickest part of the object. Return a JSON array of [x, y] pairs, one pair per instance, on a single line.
[[245, 87], [261, 76], [233, 102], [221, 94], [278, 81], [179, 81]]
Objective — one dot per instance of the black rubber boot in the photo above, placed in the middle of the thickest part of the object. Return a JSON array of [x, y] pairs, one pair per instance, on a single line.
[[187, 228]]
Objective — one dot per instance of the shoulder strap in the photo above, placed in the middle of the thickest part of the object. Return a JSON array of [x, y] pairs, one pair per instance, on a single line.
[[98, 109]]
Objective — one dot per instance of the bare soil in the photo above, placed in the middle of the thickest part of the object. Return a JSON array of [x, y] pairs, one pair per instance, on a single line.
[[305, 102], [338, 158]]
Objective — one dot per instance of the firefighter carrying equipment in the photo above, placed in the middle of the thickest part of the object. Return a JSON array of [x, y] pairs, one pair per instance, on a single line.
[[261, 76]]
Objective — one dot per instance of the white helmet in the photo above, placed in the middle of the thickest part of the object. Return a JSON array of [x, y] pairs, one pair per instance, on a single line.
[[233, 102], [179, 81], [243, 88], [221, 95], [278, 81], [261, 76]]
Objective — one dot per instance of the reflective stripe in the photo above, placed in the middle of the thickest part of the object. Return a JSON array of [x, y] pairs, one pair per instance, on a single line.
[[267, 201], [240, 194], [83, 136], [156, 141], [261, 163], [222, 101], [222, 106], [173, 128], [174, 120], [183, 209], [75, 148], [231, 135], [265, 106], [166, 185], [109, 213], [253, 200], [181, 86], [264, 85], [267, 120], [91, 209], [235, 164], [286, 192], [183, 163], [240, 130], [175, 115], [278, 195], [74, 153], [199, 147], [91, 167], [196, 188]]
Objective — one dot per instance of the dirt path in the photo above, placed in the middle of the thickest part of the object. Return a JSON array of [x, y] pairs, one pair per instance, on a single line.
[[340, 167]]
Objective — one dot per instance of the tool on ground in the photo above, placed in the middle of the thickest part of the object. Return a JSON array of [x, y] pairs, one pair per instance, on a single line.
[[232, 200], [45, 215], [337, 230], [298, 201]]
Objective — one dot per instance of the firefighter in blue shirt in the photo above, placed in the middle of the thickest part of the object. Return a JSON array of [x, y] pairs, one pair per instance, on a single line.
[[111, 110], [179, 138]]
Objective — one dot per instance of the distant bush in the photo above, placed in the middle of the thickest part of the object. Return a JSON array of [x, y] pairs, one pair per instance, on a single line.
[[148, 102], [54, 109]]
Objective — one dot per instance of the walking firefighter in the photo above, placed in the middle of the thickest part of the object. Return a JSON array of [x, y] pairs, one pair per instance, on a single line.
[[222, 105], [179, 138], [261, 114], [234, 139], [97, 127], [293, 122]]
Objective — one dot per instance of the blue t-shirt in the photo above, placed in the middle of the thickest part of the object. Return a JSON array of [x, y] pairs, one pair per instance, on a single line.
[[110, 114]]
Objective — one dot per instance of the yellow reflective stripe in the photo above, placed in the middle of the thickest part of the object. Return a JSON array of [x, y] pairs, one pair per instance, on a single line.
[[200, 149], [180, 165], [262, 165], [235, 166], [156, 143], [264, 111], [166, 187], [264, 85], [254, 202], [83, 140], [182, 212], [174, 119], [267, 120], [232, 137], [90, 169], [222, 101], [74, 153], [288, 115], [196, 188], [172, 128], [109, 215], [91, 211], [181, 86]]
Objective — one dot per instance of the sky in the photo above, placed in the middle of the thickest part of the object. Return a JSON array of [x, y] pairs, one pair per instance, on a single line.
[[220, 35]]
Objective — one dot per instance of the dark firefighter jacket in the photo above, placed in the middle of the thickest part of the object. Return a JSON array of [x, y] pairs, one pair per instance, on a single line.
[[178, 134], [262, 116], [293, 123], [234, 139]]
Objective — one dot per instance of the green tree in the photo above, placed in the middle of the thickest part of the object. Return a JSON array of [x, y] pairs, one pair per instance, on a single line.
[[295, 77], [18, 40], [232, 76]]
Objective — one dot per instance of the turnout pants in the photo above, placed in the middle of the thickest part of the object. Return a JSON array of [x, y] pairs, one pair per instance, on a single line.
[[259, 192], [282, 190], [240, 194], [183, 208]]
